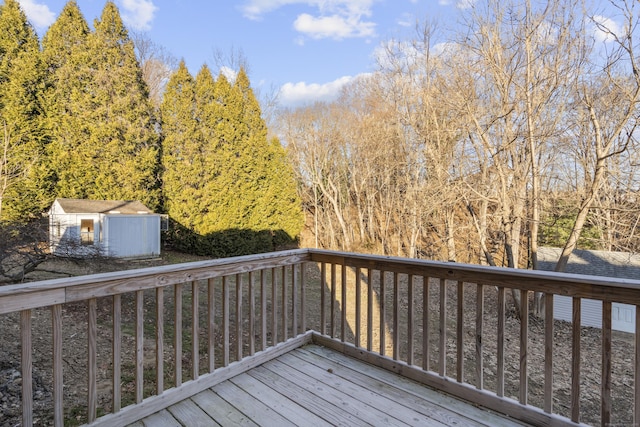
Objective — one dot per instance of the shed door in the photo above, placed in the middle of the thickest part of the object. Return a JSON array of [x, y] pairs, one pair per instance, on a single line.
[[133, 236]]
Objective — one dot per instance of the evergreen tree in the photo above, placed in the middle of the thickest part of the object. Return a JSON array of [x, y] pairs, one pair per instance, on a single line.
[[276, 205], [106, 144], [228, 188], [21, 136], [65, 56], [207, 113], [125, 133], [181, 161]]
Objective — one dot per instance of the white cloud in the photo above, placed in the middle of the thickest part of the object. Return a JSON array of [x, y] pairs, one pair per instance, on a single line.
[[138, 14], [301, 93], [605, 28], [335, 19], [334, 26], [229, 73], [38, 14]]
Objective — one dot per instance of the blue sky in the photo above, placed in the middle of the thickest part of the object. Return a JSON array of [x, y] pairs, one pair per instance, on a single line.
[[306, 48]]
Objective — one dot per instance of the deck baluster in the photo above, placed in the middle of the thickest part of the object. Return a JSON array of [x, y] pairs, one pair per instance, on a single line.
[[117, 352], [460, 333], [333, 313], [211, 320], [382, 298], [252, 317], [26, 368], [605, 390], [479, 334], [410, 313], [56, 327], [426, 309], [370, 297], [177, 332], [263, 308], [239, 337], [139, 345], [575, 357], [500, 343], [323, 308], [284, 304], [358, 302], [274, 307], [92, 361], [294, 300], [524, 346], [159, 340], [443, 328], [303, 297], [225, 321], [548, 353], [195, 331], [396, 316], [343, 308]]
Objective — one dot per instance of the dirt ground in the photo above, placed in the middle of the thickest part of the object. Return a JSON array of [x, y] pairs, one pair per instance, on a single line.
[[74, 321]]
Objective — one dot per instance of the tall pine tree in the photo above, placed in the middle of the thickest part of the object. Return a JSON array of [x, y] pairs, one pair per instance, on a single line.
[[124, 134], [228, 188], [106, 141], [276, 205], [22, 196], [181, 159], [65, 58]]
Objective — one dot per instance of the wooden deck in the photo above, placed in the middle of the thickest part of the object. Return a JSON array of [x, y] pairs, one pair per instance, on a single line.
[[316, 386], [247, 340]]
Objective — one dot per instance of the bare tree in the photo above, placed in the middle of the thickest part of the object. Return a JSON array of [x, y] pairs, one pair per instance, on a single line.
[[606, 109], [157, 65]]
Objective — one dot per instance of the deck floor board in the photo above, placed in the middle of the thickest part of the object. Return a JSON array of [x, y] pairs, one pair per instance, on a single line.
[[316, 386]]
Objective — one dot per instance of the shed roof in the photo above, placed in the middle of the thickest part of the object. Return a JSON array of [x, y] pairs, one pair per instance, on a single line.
[[623, 265], [103, 206]]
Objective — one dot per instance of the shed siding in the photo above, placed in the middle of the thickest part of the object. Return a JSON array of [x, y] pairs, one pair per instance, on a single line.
[[598, 263], [623, 316], [131, 236]]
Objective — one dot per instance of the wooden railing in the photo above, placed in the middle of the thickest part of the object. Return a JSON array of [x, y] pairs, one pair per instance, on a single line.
[[142, 339]]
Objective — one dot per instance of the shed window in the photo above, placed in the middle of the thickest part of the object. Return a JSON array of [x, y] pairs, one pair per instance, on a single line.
[[86, 231]]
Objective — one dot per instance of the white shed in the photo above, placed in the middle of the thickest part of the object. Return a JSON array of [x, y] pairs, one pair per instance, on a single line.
[[113, 228], [596, 263]]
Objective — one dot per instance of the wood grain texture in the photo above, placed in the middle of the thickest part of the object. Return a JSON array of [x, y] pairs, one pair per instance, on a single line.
[[56, 327], [117, 352], [548, 353], [26, 367], [92, 362], [575, 357], [139, 346]]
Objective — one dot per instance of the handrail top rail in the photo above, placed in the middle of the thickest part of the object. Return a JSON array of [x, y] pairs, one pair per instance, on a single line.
[[54, 291], [474, 273]]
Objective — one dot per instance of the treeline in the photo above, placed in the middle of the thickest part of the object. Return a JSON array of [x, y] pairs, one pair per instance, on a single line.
[[77, 121], [477, 145]]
